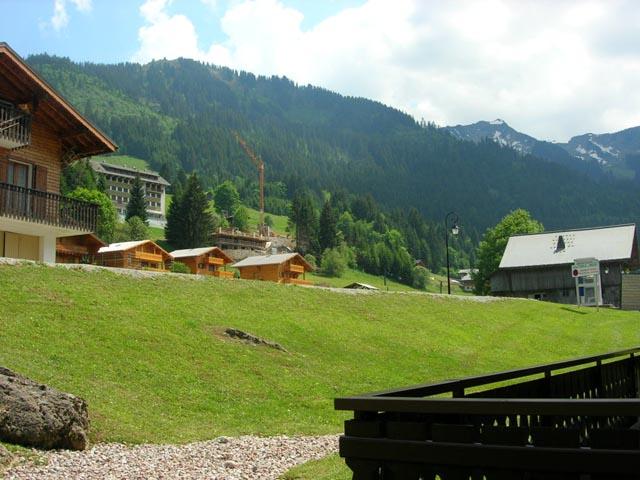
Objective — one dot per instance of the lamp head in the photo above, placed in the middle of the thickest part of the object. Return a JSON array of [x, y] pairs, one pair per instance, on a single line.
[[455, 229]]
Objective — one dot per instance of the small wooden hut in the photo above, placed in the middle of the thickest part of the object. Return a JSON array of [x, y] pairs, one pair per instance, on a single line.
[[78, 248], [280, 268], [136, 254], [204, 261]]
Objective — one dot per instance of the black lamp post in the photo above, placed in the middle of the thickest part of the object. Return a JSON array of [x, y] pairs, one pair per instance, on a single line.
[[452, 218]]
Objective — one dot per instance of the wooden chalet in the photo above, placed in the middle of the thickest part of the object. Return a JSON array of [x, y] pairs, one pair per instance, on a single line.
[[78, 248], [204, 261], [136, 254], [280, 268], [40, 132]]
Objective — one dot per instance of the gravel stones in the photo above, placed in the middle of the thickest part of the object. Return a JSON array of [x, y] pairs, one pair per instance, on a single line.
[[5, 456], [240, 458]]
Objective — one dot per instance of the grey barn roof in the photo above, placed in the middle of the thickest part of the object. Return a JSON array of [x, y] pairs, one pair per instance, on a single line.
[[603, 243]]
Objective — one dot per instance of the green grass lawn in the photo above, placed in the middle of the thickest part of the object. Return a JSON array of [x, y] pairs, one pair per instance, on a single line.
[[351, 276], [279, 221], [149, 357], [125, 161], [329, 468]]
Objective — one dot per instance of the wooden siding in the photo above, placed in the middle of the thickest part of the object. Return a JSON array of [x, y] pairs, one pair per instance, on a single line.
[[45, 153], [631, 292], [286, 272], [77, 249], [555, 282], [148, 255], [207, 264]]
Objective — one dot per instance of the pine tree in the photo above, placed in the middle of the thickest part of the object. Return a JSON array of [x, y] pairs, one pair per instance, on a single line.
[[303, 216], [189, 221], [137, 206], [328, 229]]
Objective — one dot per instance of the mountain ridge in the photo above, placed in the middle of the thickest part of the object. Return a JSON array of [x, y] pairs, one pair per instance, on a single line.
[[607, 150], [179, 114]]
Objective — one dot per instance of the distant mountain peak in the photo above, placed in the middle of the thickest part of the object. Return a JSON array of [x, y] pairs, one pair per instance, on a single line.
[[497, 121]]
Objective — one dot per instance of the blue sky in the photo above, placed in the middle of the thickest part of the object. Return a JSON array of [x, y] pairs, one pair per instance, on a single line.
[[552, 69], [108, 32]]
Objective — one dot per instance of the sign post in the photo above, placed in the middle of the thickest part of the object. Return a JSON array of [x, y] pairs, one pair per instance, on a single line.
[[586, 271]]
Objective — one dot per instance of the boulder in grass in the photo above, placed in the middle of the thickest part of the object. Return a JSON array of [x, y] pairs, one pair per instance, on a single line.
[[35, 415]]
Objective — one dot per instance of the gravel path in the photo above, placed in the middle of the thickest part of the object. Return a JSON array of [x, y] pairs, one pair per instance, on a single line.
[[224, 458]]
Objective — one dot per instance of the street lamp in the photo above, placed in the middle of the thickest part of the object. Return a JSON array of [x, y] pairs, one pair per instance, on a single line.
[[452, 218]]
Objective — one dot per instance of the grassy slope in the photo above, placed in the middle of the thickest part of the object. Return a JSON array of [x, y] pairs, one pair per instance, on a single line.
[[148, 356], [279, 221], [125, 161], [351, 276]]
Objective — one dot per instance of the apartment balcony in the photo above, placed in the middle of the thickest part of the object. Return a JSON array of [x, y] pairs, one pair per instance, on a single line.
[[15, 127], [32, 208]]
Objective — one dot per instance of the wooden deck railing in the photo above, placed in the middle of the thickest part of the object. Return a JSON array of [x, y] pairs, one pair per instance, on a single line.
[[215, 261], [15, 126], [576, 419], [48, 208]]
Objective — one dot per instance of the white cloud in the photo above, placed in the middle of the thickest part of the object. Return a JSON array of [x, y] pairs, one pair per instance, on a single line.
[[60, 18], [551, 69]]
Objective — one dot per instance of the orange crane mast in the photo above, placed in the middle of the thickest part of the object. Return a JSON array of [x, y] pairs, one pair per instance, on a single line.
[[257, 161]]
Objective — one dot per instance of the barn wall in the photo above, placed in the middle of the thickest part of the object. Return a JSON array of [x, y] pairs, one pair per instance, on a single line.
[[631, 292], [555, 283]]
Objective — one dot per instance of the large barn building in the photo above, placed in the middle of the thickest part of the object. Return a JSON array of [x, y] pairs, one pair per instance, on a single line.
[[539, 265]]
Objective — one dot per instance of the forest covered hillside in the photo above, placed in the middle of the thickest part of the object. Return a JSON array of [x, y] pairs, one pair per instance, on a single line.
[[180, 115]]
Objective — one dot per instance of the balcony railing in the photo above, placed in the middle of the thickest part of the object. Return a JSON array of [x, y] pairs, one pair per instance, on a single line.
[[576, 419], [15, 126], [47, 208], [294, 268]]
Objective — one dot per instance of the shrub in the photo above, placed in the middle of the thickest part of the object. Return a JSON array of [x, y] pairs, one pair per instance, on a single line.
[[312, 260], [179, 267], [333, 264], [420, 277]]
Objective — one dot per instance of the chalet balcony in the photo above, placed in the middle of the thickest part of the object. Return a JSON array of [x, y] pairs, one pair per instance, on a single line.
[[215, 261], [148, 257], [15, 127], [46, 208], [297, 281], [576, 419], [294, 268], [223, 274]]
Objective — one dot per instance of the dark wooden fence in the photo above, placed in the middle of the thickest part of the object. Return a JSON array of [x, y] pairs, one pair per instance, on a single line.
[[576, 419], [48, 208]]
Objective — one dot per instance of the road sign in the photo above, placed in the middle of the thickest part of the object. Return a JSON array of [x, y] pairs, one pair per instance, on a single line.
[[585, 267]]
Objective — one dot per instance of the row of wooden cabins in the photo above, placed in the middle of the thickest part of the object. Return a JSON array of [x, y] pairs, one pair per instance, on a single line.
[[145, 254]]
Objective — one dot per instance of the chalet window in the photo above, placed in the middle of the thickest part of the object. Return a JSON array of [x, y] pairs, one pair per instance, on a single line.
[[20, 174], [201, 265]]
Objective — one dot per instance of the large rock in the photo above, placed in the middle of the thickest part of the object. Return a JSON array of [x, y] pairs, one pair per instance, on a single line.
[[35, 415]]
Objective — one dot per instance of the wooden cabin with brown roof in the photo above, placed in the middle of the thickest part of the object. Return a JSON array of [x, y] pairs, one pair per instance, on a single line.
[[279, 268], [136, 254], [204, 261], [39, 133], [78, 249]]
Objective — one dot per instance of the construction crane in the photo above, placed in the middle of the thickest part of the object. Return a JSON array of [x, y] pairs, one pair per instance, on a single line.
[[257, 161]]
